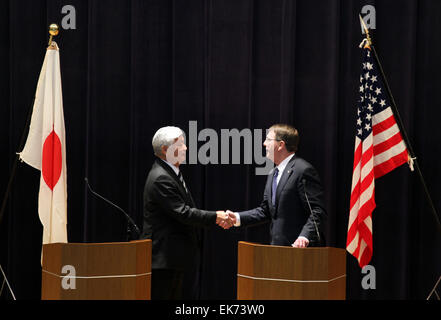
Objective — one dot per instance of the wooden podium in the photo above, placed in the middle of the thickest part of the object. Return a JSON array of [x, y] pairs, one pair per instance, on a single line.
[[287, 273], [97, 271]]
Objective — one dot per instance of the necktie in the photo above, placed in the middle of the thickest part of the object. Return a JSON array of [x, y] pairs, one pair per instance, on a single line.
[[273, 195], [181, 178]]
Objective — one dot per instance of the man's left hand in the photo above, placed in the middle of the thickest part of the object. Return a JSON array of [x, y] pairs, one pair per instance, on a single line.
[[301, 242]]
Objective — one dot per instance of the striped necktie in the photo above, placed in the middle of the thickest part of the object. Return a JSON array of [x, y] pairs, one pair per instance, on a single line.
[[181, 178]]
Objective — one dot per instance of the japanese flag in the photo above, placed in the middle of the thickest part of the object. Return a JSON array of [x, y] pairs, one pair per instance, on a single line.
[[45, 149]]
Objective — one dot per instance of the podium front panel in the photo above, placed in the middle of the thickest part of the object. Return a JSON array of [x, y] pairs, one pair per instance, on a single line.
[[103, 271], [281, 273]]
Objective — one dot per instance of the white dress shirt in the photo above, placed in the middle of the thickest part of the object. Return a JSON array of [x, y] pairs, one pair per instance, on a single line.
[[175, 169], [281, 167]]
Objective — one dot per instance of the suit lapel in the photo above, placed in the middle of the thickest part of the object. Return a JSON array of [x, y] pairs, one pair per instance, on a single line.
[[285, 176], [170, 171], [268, 189], [268, 193]]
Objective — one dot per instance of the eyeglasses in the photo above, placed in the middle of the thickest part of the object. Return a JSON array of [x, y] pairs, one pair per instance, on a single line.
[[270, 139]]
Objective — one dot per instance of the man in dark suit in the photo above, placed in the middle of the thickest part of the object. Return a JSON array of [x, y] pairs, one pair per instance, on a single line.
[[172, 220], [293, 195]]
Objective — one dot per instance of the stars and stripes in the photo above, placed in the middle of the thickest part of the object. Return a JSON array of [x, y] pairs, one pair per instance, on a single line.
[[379, 148]]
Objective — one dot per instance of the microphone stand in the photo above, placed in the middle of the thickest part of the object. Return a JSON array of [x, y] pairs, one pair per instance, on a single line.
[[312, 213], [5, 279], [129, 219]]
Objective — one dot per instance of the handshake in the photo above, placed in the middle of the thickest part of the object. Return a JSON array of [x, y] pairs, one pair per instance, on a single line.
[[225, 219]]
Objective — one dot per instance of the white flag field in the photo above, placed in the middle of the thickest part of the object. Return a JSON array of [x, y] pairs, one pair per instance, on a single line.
[[45, 149]]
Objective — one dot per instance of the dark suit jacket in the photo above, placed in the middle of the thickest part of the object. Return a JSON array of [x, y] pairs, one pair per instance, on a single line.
[[171, 220], [291, 217]]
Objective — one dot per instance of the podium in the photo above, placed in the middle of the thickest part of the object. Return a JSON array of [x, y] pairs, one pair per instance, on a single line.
[[97, 271], [287, 273]]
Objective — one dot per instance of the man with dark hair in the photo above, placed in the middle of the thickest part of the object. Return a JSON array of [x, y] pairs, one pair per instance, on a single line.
[[288, 134], [293, 195]]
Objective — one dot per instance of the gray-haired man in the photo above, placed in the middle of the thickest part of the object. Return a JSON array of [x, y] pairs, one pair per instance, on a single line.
[[172, 220]]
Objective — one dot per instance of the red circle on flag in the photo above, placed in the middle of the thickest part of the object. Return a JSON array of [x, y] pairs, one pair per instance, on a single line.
[[51, 160]]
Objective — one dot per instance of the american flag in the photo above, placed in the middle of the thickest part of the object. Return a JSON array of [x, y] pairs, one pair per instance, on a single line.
[[379, 148]]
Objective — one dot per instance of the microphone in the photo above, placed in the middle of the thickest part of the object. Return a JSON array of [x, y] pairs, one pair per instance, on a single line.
[[129, 219], [310, 209]]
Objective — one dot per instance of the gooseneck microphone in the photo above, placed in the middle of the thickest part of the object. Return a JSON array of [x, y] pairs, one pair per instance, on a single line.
[[129, 219], [310, 210]]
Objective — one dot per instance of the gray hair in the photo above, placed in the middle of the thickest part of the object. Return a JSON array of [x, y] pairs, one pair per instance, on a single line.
[[165, 136]]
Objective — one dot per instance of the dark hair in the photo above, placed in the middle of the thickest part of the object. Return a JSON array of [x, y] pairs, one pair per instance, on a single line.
[[288, 134]]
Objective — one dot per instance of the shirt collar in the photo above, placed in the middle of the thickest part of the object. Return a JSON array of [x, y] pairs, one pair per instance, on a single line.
[[176, 170], [282, 165]]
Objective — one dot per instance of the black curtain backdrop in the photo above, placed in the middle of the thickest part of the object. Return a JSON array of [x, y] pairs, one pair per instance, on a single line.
[[131, 67]]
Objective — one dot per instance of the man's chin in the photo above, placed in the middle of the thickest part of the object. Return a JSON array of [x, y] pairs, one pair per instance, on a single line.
[[268, 156], [181, 160]]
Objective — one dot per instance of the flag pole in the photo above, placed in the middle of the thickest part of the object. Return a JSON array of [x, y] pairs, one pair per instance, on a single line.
[[412, 159], [53, 31]]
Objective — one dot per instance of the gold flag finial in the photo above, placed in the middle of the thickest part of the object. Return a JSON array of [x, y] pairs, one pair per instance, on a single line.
[[53, 31], [366, 30]]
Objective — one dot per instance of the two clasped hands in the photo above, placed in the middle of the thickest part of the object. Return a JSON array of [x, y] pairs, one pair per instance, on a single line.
[[227, 219]]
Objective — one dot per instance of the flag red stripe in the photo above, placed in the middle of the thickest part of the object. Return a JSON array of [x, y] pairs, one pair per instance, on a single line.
[[360, 188], [383, 125], [357, 250], [355, 195], [363, 212], [387, 144], [365, 257], [367, 155], [366, 235], [352, 232], [366, 209], [366, 182], [387, 166]]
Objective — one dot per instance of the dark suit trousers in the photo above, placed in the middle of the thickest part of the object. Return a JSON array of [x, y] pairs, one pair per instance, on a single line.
[[167, 284], [170, 284]]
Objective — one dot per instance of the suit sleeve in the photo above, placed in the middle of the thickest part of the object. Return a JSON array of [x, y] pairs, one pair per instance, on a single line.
[[256, 216], [173, 204], [310, 184]]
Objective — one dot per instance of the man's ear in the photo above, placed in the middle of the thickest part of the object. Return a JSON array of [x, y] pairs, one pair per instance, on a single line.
[[164, 150], [281, 145]]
